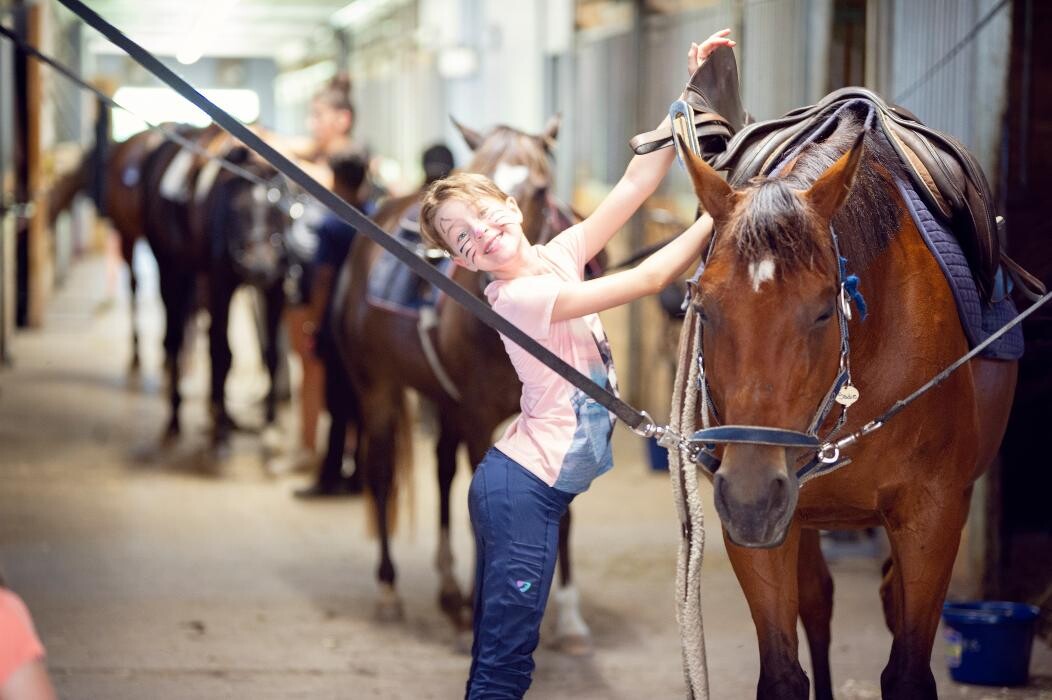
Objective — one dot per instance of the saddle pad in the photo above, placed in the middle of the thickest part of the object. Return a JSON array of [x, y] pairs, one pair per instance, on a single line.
[[979, 320], [174, 183], [393, 286]]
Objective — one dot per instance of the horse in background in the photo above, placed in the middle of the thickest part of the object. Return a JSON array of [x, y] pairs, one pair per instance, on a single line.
[[767, 307], [122, 203], [384, 356], [214, 228]]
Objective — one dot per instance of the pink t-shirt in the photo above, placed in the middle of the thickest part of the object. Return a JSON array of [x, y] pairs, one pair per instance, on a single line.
[[561, 435], [19, 644]]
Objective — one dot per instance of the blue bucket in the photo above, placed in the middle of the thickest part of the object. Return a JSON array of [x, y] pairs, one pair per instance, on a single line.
[[657, 455], [989, 642]]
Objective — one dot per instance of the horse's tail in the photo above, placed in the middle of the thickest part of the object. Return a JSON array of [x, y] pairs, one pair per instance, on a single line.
[[401, 485]]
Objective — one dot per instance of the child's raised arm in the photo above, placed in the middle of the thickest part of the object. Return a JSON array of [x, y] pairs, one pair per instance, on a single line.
[[646, 278], [643, 174]]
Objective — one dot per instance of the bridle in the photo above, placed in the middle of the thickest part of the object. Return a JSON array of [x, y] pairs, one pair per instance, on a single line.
[[702, 444]]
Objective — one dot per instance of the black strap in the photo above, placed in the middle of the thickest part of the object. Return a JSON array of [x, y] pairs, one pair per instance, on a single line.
[[356, 218]]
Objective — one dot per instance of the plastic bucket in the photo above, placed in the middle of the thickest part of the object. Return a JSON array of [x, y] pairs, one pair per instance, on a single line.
[[989, 642], [657, 455]]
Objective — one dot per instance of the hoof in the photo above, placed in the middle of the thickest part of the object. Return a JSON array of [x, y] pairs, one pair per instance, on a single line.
[[574, 645], [169, 438], [389, 606], [272, 438], [452, 604], [462, 643]]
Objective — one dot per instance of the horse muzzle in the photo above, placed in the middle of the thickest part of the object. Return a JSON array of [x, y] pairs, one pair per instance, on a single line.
[[755, 494]]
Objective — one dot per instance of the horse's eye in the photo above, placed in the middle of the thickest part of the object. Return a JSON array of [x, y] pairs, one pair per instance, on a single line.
[[699, 310], [824, 316]]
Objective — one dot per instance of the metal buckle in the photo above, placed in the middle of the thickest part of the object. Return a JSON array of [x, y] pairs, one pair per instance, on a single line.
[[649, 429], [681, 116]]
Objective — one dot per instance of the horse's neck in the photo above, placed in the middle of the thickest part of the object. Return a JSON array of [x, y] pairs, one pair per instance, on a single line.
[[67, 187], [913, 324]]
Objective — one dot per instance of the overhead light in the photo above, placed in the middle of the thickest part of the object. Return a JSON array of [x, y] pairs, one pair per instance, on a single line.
[[204, 30], [355, 13]]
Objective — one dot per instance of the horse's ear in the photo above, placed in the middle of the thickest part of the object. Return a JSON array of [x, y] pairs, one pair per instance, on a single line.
[[715, 195], [551, 132], [471, 137], [831, 189]]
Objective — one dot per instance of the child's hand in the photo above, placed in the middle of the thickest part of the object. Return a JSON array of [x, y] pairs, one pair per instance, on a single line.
[[697, 54]]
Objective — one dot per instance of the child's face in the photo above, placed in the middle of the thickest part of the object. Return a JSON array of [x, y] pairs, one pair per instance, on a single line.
[[484, 235]]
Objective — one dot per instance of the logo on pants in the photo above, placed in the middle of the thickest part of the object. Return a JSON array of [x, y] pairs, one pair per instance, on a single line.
[[523, 586]]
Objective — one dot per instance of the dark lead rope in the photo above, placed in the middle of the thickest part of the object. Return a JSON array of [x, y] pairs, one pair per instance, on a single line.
[[639, 421]]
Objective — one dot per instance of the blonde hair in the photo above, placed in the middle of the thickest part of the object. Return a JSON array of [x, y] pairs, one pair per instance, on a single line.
[[466, 187]]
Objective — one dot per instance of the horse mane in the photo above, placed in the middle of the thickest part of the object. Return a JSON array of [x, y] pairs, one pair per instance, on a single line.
[[773, 220]]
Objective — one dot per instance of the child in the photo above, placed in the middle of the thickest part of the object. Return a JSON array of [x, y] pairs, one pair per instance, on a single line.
[[561, 440]]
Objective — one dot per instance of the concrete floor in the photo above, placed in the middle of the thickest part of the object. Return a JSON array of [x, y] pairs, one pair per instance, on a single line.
[[162, 574]]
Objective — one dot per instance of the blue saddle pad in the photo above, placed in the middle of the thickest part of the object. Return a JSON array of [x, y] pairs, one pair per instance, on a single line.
[[980, 320], [393, 286]]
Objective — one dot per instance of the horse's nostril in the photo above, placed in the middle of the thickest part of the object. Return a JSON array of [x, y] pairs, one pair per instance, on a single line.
[[779, 492]]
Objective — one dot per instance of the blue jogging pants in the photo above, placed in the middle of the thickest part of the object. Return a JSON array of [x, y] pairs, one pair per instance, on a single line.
[[516, 520]]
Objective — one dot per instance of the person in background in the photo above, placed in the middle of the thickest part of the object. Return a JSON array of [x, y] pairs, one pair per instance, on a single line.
[[349, 168], [23, 675], [331, 121], [437, 162]]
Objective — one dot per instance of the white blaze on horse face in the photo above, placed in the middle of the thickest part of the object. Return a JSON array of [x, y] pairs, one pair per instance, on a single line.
[[508, 177], [760, 272]]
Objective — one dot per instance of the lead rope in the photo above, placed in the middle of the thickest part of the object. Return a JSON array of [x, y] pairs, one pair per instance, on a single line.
[[684, 473]]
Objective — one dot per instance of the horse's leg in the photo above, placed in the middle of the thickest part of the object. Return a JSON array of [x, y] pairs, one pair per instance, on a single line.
[[889, 595], [221, 288], [128, 253], [572, 635], [381, 417], [924, 539], [816, 609], [450, 598], [274, 300], [172, 294], [768, 578]]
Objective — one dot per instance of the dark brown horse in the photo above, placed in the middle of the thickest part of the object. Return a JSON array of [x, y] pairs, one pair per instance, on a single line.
[[384, 358], [767, 307], [207, 225]]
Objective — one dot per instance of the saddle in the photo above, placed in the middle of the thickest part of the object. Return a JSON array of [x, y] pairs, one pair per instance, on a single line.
[[941, 169]]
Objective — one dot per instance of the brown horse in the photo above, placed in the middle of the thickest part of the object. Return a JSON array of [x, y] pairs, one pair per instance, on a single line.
[[384, 357], [122, 201], [766, 304], [207, 225]]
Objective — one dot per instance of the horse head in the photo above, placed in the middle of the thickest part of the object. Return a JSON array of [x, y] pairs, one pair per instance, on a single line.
[[770, 325], [256, 213], [520, 164]]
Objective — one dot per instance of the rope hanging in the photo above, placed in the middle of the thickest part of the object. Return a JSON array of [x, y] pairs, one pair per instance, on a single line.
[[684, 475]]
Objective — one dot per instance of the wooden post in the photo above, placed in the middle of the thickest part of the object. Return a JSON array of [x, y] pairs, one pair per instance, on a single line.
[[40, 264]]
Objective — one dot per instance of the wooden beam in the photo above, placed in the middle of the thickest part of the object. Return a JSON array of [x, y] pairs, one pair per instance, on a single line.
[[39, 242]]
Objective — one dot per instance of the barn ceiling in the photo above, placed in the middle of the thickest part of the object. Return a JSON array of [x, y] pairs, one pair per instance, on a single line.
[[267, 28]]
